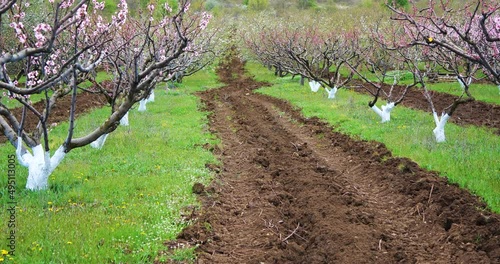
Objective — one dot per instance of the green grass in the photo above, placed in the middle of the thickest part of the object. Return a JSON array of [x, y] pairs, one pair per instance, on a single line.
[[483, 92], [469, 157], [118, 204]]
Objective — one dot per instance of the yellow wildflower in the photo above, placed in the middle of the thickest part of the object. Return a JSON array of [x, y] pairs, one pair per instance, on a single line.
[[49, 203], [1, 259], [4, 252], [69, 242]]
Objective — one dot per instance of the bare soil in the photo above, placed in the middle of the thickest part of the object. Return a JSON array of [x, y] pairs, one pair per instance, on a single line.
[[291, 190], [475, 113], [85, 102]]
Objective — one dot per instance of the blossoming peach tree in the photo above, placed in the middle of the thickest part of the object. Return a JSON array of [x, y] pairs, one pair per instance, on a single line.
[[385, 71], [460, 39], [61, 50], [317, 54]]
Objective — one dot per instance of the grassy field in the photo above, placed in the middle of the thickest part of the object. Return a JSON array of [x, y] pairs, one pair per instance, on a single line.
[[483, 92], [118, 204], [469, 157]]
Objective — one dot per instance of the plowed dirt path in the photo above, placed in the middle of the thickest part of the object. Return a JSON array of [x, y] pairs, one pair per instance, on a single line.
[[291, 190]]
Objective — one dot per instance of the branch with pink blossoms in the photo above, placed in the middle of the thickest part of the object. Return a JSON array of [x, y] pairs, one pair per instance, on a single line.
[[471, 31], [58, 56]]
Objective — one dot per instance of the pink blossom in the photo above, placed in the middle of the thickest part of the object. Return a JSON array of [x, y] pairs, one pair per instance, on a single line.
[[22, 38], [204, 20], [39, 30], [186, 7], [81, 13], [121, 17], [98, 5], [67, 3], [496, 20]]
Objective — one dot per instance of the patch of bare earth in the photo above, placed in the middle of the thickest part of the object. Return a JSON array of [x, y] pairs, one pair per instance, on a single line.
[[291, 190]]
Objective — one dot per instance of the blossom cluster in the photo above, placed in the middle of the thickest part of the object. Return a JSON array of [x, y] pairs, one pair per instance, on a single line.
[[205, 18], [121, 17]]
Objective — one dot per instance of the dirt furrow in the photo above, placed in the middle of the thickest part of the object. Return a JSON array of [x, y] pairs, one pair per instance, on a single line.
[[291, 190]]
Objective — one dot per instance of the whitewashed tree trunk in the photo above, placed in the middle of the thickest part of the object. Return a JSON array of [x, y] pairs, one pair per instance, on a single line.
[[151, 97], [469, 81], [99, 142], [314, 86], [385, 112], [124, 120], [331, 92], [40, 165], [440, 123], [142, 105], [499, 89]]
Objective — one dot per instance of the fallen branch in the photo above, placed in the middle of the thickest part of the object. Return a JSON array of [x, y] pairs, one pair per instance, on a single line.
[[295, 230], [430, 195]]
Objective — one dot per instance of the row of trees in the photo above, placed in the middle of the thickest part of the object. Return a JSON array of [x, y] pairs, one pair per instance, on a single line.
[[58, 51], [390, 56]]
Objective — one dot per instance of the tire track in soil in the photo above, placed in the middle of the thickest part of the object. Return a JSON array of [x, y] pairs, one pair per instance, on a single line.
[[291, 190]]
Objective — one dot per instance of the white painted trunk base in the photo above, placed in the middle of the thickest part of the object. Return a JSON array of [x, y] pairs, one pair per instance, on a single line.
[[440, 123], [99, 143], [40, 165], [124, 120], [151, 97], [314, 86], [384, 112], [331, 92], [469, 81], [142, 105]]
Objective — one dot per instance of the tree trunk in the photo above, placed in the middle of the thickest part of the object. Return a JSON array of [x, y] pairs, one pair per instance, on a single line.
[[302, 80], [331, 92], [151, 97], [440, 123], [40, 165], [124, 120], [462, 84], [314, 86], [385, 112], [99, 143], [142, 105]]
